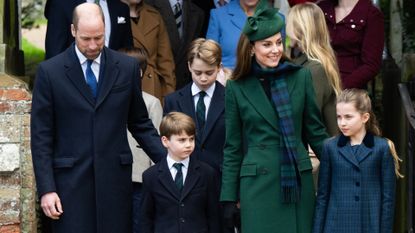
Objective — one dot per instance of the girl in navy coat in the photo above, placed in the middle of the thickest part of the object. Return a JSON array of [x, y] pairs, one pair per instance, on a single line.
[[356, 191]]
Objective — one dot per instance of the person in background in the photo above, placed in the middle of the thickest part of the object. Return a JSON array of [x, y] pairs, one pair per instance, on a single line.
[[149, 33], [180, 192], [356, 188], [310, 47], [141, 161], [184, 22], [59, 15], [357, 36], [270, 115], [83, 100]]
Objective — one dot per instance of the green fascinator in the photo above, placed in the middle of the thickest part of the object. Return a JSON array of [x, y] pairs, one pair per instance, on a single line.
[[264, 23]]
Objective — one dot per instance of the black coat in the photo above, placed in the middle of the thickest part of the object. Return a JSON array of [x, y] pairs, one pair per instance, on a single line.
[[79, 145], [59, 16], [195, 209]]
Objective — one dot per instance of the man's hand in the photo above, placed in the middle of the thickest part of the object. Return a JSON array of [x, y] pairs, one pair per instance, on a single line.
[[51, 205]]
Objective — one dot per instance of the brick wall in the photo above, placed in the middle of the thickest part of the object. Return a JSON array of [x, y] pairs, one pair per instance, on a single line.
[[17, 185]]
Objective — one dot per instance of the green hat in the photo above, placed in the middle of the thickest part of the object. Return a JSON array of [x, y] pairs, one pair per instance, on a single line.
[[264, 23]]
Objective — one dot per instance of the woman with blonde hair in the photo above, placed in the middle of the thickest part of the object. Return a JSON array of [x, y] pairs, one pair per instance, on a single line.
[[310, 47]]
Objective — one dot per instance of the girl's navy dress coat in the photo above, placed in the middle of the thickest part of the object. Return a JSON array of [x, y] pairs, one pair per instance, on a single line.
[[356, 192]]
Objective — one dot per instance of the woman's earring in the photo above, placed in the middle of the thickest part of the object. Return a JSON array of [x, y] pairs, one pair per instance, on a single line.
[[252, 54]]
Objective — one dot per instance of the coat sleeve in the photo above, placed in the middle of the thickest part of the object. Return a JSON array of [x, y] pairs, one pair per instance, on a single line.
[[371, 52], [388, 191], [165, 63], [314, 130], [324, 188], [233, 150], [42, 133], [213, 204], [58, 33], [140, 125]]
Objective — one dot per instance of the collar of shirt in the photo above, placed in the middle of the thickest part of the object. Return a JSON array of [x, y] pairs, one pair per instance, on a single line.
[[95, 64], [173, 171], [217, 5]]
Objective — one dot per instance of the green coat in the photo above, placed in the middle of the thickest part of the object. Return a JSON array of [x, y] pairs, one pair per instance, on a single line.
[[325, 95], [251, 166]]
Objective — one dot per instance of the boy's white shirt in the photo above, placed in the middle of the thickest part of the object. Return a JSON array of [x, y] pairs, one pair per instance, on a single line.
[[173, 170]]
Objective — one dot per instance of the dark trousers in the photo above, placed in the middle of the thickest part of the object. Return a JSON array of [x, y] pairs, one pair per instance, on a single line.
[[137, 200]]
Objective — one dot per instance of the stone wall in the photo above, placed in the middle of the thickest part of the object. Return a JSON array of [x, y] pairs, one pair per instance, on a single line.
[[17, 185]]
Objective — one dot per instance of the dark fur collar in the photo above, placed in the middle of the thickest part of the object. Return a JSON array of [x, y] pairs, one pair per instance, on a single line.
[[368, 140]]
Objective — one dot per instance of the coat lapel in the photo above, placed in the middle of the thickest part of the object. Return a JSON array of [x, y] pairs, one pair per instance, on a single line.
[[75, 74], [363, 153], [166, 179], [192, 177], [217, 106], [108, 75], [255, 94], [347, 153], [238, 17], [186, 102]]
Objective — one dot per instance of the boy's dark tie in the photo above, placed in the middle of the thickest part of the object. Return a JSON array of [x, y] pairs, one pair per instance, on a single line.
[[91, 79], [201, 110], [179, 176]]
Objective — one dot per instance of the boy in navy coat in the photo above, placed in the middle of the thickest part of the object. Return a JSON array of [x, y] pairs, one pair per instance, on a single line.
[[180, 193]]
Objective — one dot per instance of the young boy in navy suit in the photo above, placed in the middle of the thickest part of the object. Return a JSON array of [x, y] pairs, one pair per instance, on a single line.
[[204, 101], [180, 193]]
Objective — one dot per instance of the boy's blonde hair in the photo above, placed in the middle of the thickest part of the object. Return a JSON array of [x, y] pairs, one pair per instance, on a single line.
[[209, 51], [176, 123], [361, 101]]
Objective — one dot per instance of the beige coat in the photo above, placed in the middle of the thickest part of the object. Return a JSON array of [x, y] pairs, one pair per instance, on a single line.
[[150, 33], [140, 158]]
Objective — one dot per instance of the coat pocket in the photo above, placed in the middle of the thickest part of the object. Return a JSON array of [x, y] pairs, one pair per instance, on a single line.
[[126, 159], [63, 162], [121, 87], [248, 170]]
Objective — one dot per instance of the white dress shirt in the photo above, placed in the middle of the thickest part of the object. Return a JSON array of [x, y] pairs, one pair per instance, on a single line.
[[208, 97], [173, 170], [83, 61]]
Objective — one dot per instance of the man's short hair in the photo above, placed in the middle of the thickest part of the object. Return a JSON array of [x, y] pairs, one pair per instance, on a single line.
[[75, 16]]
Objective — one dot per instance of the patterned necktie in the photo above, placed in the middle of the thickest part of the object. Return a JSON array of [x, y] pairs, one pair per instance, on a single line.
[[178, 16], [91, 80], [178, 180], [201, 110]]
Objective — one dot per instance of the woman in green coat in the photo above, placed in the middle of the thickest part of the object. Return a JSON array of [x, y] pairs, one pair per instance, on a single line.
[[270, 115]]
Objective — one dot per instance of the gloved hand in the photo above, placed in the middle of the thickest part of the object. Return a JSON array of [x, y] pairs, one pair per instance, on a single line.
[[230, 213]]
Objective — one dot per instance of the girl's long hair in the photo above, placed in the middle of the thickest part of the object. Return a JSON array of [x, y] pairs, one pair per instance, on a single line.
[[361, 101], [307, 26]]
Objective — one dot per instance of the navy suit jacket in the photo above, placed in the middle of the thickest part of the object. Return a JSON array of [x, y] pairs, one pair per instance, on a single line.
[[167, 210], [79, 144], [356, 192], [59, 16], [209, 146]]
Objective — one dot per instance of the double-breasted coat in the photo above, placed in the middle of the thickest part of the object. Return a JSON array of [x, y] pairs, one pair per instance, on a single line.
[[252, 154], [79, 143], [356, 192]]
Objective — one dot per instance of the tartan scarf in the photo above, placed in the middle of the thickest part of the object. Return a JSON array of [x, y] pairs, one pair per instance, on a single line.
[[290, 182]]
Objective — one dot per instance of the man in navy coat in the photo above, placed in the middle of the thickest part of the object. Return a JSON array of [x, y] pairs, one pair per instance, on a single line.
[[59, 15], [81, 156]]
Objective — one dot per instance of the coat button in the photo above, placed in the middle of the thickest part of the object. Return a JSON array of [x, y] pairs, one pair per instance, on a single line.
[[182, 220], [357, 184], [150, 75], [182, 204], [356, 198]]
